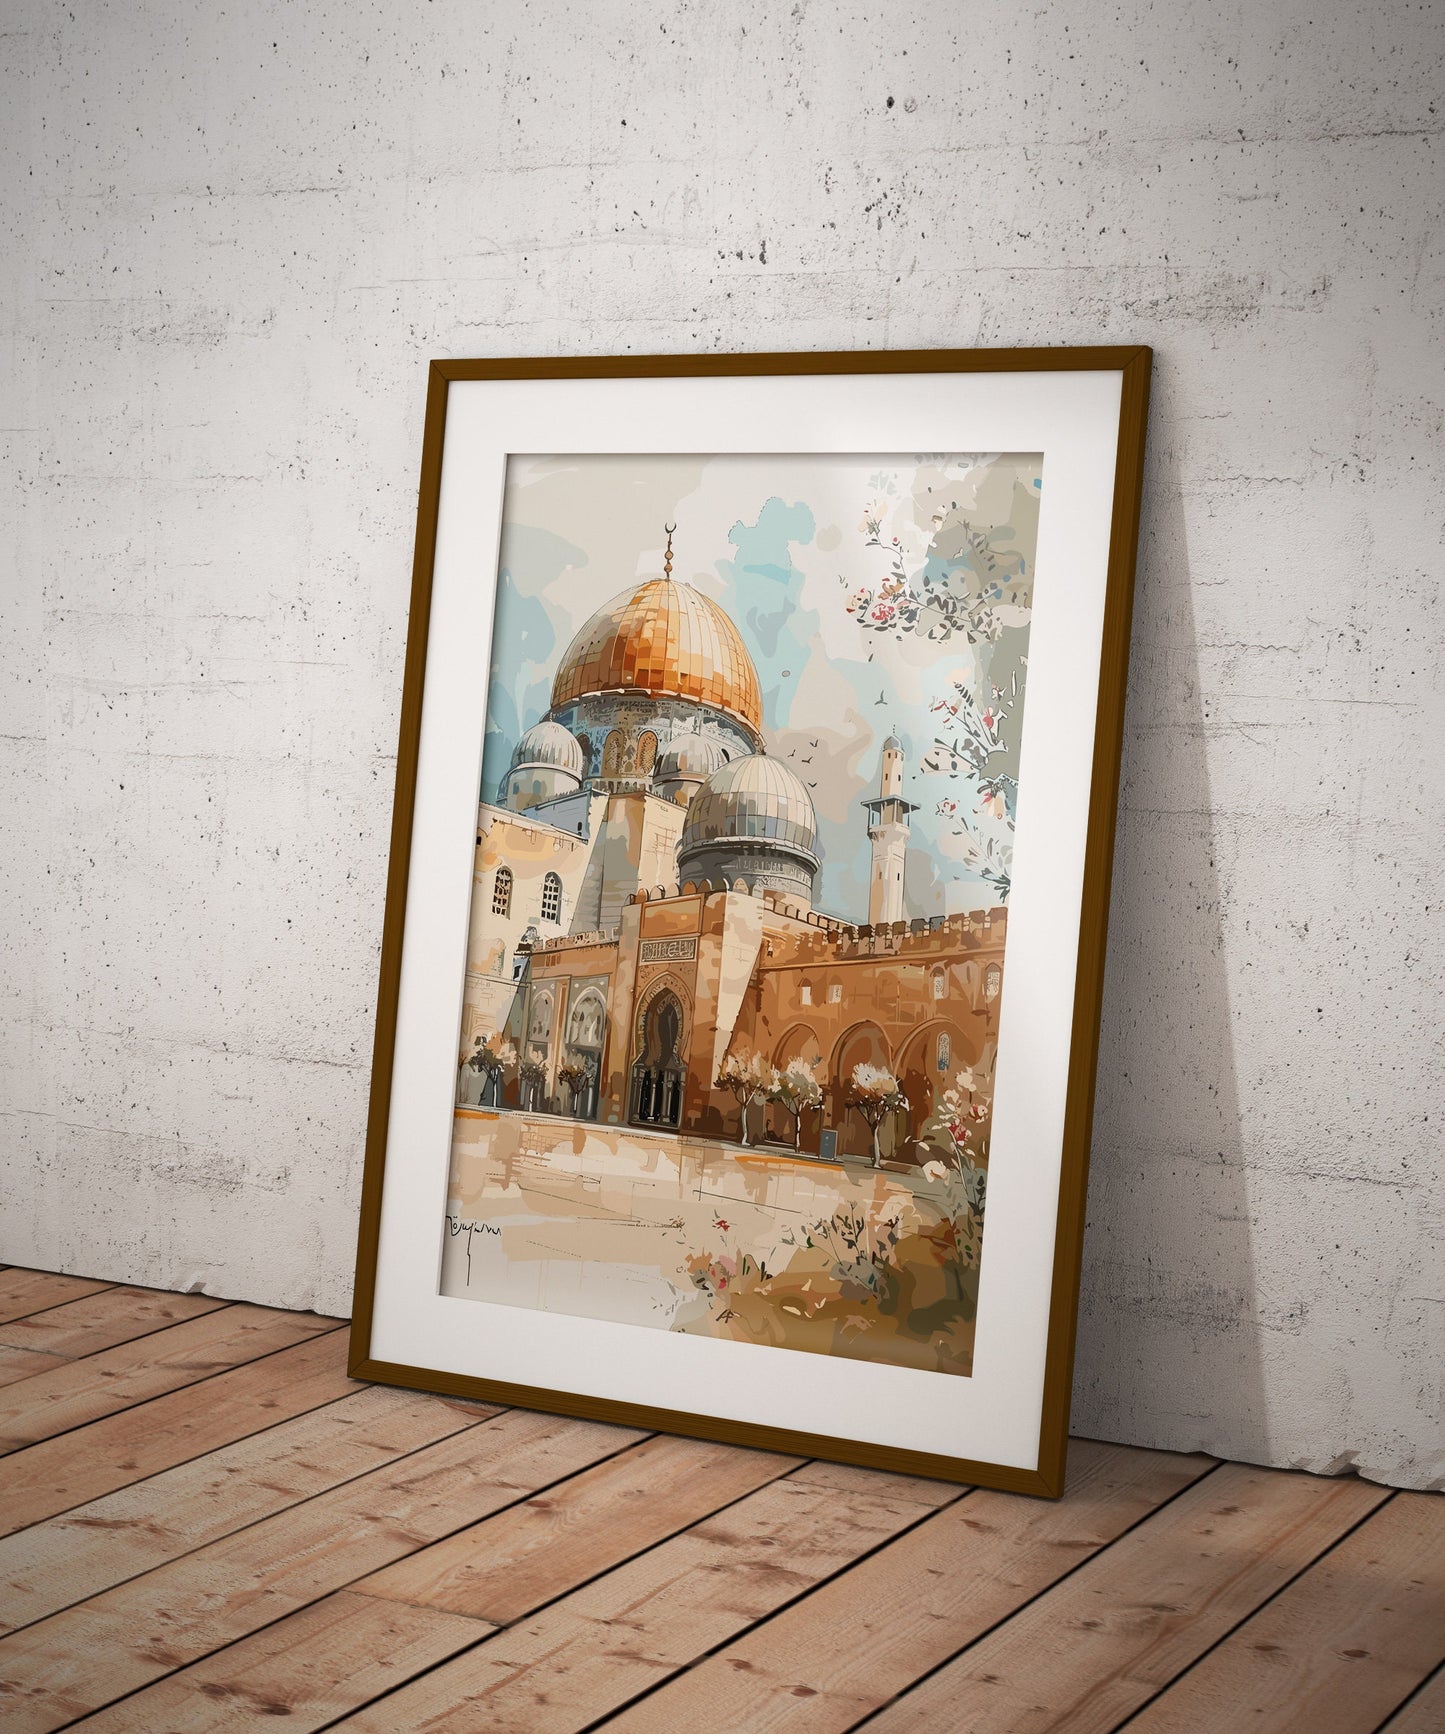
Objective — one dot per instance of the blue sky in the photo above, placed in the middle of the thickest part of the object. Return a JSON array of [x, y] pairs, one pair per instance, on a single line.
[[779, 543]]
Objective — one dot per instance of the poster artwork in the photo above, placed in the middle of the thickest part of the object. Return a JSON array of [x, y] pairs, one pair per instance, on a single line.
[[740, 900]]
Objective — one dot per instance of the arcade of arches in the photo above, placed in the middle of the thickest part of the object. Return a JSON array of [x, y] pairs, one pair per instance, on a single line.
[[645, 1019]]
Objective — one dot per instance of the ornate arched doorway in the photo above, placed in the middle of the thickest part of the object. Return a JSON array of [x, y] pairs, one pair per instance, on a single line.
[[586, 1036], [927, 1065], [864, 1044], [779, 1126], [657, 1072]]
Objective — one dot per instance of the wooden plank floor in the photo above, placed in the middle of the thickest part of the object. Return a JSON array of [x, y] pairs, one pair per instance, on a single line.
[[204, 1524]]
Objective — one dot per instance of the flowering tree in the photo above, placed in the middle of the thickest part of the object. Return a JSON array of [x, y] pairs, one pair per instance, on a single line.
[[964, 1119], [970, 583], [795, 1088], [961, 577], [971, 731], [991, 855], [576, 1075], [532, 1076], [491, 1056], [971, 736], [746, 1075], [874, 1092]]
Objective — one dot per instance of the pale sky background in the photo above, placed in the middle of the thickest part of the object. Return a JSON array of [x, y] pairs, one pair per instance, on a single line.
[[779, 542]]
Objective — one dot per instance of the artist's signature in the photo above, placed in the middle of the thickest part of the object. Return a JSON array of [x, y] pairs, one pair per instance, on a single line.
[[461, 1225]]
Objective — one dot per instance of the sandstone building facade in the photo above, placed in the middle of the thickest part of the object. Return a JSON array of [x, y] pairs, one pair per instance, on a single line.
[[643, 903]]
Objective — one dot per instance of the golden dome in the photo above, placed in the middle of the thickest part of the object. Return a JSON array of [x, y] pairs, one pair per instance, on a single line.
[[667, 640]]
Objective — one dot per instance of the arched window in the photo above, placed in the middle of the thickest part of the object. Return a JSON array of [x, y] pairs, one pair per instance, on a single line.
[[541, 1024], [944, 1056], [646, 751], [612, 753], [992, 981], [502, 892], [588, 1021], [551, 898], [940, 983]]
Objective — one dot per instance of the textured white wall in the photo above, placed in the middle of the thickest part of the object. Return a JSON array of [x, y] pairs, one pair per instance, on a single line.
[[231, 239]]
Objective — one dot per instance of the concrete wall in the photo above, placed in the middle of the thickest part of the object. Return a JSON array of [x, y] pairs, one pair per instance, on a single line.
[[231, 239]]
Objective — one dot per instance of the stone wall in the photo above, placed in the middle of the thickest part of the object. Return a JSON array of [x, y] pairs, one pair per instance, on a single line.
[[233, 237]]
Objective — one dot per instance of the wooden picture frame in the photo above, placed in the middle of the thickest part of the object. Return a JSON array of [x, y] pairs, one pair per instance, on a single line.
[[990, 418]]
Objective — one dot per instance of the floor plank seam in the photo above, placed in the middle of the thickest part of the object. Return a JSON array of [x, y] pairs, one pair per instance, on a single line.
[[240, 1529], [25, 1349], [17, 1455], [37, 1311], [588, 1557], [341, 1588], [139, 1336], [615, 1565], [71, 1361], [605, 1571], [1028, 1602], [572, 1589], [1430, 1680], [928, 1512], [1254, 1612]]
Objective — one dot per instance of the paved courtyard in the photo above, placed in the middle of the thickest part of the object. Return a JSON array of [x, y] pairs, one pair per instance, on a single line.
[[684, 1233]]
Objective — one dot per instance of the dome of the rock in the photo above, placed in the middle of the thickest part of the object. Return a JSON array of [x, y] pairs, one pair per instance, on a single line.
[[663, 639]]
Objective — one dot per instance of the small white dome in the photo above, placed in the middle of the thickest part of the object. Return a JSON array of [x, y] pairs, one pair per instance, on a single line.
[[548, 743]]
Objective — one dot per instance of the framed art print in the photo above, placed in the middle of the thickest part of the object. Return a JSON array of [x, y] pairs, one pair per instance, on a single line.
[[744, 933]]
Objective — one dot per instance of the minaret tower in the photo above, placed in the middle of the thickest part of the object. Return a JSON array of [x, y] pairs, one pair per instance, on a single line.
[[888, 830]]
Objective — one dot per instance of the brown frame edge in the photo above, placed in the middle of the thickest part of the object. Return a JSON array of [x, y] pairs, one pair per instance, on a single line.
[[1094, 917], [1134, 363], [898, 1459]]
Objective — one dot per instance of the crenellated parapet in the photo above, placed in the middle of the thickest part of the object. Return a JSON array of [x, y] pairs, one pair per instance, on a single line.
[[812, 934], [578, 941], [942, 935]]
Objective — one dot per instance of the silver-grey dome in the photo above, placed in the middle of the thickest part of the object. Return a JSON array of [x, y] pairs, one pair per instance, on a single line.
[[755, 799], [548, 743], [690, 755]]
